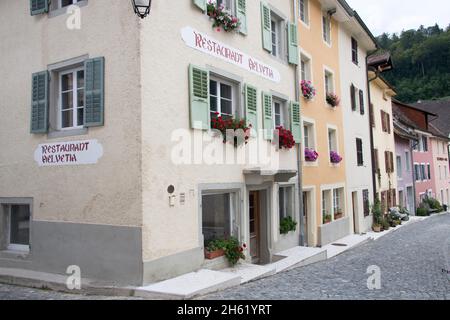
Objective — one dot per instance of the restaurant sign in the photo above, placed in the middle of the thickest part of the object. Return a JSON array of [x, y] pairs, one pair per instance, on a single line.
[[206, 44], [69, 153]]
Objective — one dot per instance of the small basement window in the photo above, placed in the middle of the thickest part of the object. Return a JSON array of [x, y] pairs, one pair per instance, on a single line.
[[16, 227]]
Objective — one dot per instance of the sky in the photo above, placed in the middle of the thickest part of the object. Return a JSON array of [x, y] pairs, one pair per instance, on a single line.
[[393, 16]]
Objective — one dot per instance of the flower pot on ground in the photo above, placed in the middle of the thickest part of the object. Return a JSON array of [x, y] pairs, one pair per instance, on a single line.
[[311, 155], [211, 255], [327, 219], [333, 100], [230, 248], [222, 18], [376, 227], [308, 90], [284, 137], [335, 158]]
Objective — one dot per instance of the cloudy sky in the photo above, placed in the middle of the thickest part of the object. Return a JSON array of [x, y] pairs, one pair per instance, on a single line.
[[395, 15]]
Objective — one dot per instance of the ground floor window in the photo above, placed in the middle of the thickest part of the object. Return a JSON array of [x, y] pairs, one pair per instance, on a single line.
[[217, 216], [366, 203], [17, 227], [338, 203], [286, 202]]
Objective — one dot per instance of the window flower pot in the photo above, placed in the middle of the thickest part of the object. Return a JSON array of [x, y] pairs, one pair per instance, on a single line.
[[333, 100], [335, 158], [311, 155], [338, 216], [376, 228], [211, 255], [308, 90]]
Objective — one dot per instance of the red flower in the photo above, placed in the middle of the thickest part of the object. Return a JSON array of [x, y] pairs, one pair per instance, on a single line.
[[245, 246]]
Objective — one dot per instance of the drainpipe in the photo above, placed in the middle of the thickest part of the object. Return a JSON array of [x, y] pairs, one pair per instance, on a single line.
[[371, 112], [299, 150]]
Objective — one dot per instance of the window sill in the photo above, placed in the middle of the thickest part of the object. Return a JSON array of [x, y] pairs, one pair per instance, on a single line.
[[14, 254], [67, 133]]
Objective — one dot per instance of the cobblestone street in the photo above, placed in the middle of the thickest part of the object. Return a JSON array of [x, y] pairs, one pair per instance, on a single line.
[[414, 263]]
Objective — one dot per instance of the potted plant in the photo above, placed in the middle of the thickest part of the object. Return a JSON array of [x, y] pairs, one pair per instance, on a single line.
[[311, 155], [285, 138], [338, 214], [308, 90], [377, 216], [230, 248], [333, 100], [215, 249], [222, 17], [385, 224], [335, 158], [287, 225], [327, 219], [232, 130]]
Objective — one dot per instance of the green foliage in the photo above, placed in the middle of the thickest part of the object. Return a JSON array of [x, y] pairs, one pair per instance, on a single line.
[[233, 250], [385, 223], [422, 211], [421, 63], [287, 225], [377, 213], [434, 204]]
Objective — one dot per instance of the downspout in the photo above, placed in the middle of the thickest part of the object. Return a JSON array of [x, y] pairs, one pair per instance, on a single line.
[[299, 147], [371, 112]]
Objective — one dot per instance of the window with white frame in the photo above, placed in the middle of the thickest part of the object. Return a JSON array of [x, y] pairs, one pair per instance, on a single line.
[[417, 172], [286, 201], [326, 29], [308, 135], [329, 82], [399, 166], [218, 216], [222, 98], [71, 99], [228, 5], [338, 203], [276, 36], [429, 171], [326, 206], [332, 140], [423, 172], [66, 3], [279, 112], [407, 161], [305, 68], [17, 227], [304, 11]]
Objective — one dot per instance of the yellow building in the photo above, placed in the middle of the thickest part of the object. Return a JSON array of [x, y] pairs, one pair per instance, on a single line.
[[325, 208]]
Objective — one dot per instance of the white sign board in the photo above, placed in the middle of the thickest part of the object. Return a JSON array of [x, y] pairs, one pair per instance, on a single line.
[[204, 43], [70, 153]]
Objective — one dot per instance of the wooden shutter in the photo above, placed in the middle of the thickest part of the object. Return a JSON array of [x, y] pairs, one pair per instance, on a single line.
[[251, 106], [266, 27], [361, 102], [268, 116], [241, 13], [391, 158], [94, 93], [383, 121], [372, 115], [296, 127], [200, 4], [293, 43], [387, 161], [39, 102], [353, 97], [38, 7], [389, 199], [376, 161], [394, 198], [388, 123], [199, 98]]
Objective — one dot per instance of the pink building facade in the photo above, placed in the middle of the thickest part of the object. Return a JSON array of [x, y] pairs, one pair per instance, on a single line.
[[439, 147], [424, 173]]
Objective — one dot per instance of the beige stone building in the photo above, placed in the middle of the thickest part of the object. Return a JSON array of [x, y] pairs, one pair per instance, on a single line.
[[97, 112]]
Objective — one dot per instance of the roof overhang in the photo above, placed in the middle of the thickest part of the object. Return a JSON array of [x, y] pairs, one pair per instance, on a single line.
[[259, 176]]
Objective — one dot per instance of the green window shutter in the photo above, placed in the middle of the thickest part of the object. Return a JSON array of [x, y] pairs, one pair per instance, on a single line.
[[241, 13], [39, 102], [199, 97], [266, 27], [201, 4], [296, 126], [268, 116], [94, 92], [293, 43], [38, 7], [251, 106]]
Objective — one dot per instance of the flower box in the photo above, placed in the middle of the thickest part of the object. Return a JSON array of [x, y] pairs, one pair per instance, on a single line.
[[338, 216], [308, 90], [333, 100], [311, 155], [210, 255], [222, 17], [285, 138], [335, 158], [233, 130]]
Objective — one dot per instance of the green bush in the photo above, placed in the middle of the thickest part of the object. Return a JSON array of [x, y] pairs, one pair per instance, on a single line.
[[422, 212], [385, 224], [287, 225], [434, 204], [377, 214]]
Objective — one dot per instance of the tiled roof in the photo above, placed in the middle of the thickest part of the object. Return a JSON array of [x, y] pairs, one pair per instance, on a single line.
[[442, 109]]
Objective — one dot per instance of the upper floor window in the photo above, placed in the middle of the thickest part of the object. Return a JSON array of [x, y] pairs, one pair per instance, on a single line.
[[386, 122], [326, 26], [424, 144], [329, 82], [359, 152], [277, 25], [308, 136], [354, 51], [227, 4], [332, 140], [279, 112], [407, 161], [71, 97], [65, 3], [305, 68], [399, 166], [304, 11], [222, 98]]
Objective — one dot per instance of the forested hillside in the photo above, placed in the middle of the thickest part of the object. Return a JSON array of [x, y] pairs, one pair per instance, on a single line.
[[421, 63]]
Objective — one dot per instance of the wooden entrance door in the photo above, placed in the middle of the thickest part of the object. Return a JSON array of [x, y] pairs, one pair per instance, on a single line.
[[254, 222]]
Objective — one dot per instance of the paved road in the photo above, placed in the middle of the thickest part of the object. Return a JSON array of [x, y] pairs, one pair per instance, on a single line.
[[412, 261]]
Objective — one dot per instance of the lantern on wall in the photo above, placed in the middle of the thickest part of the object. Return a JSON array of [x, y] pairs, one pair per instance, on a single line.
[[142, 7]]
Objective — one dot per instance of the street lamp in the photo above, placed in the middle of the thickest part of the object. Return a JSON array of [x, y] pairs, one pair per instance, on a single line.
[[142, 7]]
